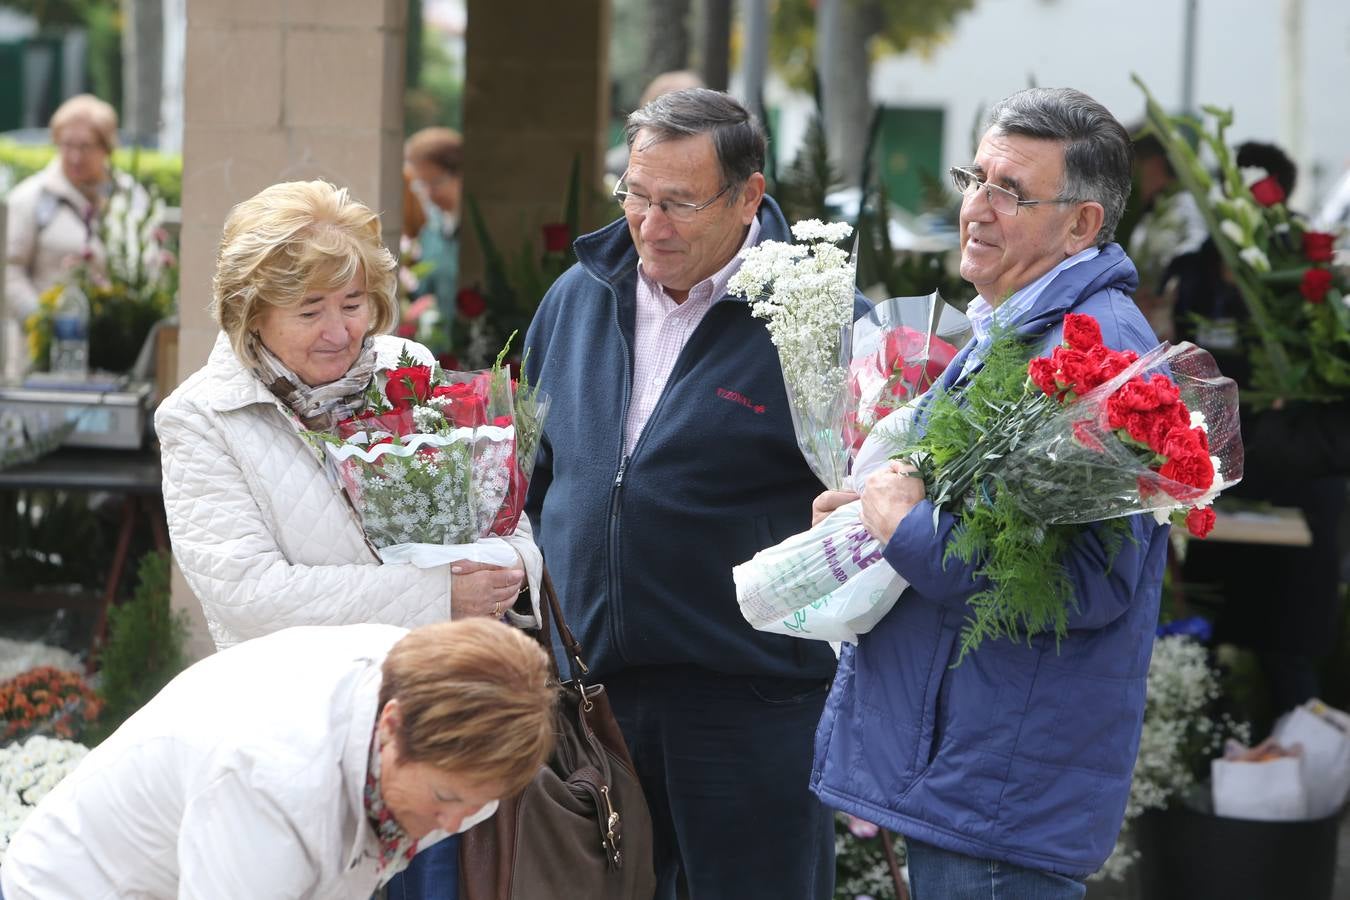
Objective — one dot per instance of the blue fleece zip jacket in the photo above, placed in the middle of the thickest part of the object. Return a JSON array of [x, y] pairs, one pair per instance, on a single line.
[[641, 548], [1022, 753]]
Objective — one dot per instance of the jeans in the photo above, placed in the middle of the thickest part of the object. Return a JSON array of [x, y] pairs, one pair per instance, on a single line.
[[724, 762], [936, 874], [433, 874]]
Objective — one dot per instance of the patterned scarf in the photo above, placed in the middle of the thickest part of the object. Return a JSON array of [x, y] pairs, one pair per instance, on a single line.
[[322, 407], [396, 847]]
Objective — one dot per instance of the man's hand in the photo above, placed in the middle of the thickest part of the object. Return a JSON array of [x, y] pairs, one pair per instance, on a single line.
[[827, 503], [888, 497]]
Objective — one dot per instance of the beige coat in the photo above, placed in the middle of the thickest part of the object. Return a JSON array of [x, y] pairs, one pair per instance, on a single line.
[[50, 227], [260, 526]]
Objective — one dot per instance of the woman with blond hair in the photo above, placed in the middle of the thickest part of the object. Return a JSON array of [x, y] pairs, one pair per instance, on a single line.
[[310, 763], [304, 296], [53, 215]]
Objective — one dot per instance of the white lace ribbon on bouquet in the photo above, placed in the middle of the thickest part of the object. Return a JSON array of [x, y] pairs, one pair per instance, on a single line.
[[413, 442]]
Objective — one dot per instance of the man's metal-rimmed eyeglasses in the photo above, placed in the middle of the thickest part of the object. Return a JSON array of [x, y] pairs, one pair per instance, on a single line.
[[675, 210], [1003, 201]]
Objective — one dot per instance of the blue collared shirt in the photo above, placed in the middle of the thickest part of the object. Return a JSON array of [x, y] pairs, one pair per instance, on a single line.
[[983, 315]]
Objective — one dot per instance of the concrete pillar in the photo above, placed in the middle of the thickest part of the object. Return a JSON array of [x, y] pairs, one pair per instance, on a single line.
[[281, 90], [536, 95]]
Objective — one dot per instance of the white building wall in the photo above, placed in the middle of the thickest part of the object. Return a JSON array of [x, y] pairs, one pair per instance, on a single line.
[[1004, 45]]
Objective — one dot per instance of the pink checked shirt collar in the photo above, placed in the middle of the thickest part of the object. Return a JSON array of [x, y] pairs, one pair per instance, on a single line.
[[662, 328]]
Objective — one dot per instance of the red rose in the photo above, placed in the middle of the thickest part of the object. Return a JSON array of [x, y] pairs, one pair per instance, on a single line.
[[1200, 522], [466, 407], [470, 303], [1315, 284], [557, 237], [408, 386], [1267, 191], [1081, 332], [1318, 246]]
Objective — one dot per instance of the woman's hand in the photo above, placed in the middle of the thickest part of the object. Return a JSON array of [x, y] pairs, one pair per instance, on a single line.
[[827, 503], [480, 589]]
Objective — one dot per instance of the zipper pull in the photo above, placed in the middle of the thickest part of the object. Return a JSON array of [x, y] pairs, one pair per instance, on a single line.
[[623, 466]]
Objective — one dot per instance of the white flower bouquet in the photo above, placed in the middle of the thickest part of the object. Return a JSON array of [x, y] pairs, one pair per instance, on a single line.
[[805, 292]]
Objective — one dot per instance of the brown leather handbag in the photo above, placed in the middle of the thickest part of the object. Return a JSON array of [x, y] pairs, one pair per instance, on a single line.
[[581, 829]]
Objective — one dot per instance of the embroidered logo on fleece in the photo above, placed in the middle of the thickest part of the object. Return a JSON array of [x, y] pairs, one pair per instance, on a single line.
[[737, 397]]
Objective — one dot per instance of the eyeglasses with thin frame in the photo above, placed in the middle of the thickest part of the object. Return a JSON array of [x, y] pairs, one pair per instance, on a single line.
[[676, 210], [1003, 201]]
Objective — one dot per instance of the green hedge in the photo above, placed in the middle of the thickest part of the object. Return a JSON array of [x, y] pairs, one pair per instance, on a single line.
[[163, 171]]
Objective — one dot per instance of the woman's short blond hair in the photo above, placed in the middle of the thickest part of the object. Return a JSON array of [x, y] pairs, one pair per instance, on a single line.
[[475, 697], [289, 241], [91, 111]]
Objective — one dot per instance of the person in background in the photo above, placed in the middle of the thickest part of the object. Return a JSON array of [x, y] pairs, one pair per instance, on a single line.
[[1169, 227], [314, 762], [668, 457], [304, 296], [434, 162], [53, 215], [616, 157], [1007, 773]]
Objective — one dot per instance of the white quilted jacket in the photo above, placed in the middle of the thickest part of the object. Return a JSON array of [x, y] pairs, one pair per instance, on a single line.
[[259, 524]]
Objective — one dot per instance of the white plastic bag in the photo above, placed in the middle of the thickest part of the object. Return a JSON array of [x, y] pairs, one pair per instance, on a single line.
[[1324, 733], [829, 583], [1271, 790]]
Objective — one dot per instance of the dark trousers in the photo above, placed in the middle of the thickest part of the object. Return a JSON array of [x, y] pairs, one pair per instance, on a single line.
[[724, 762], [433, 874]]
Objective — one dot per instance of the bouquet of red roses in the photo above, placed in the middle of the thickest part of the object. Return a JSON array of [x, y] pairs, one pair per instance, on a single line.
[[429, 462], [900, 349]]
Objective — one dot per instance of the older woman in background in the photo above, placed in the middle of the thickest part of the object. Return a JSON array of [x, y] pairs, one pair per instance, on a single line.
[[310, 763], [53, 214], [304, 293]]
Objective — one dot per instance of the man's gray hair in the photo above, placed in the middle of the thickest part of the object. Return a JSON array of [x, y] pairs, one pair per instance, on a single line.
[[1097, 149], [737, 135]]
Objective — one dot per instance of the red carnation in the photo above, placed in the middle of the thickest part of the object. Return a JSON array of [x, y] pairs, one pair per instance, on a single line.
[[1315, 284], [1194, 470], [1081, 332], [1319, 246], [408, 386], [1200, 522], [1042, 372], [557, 236], [1084, 432], [1267, 191], [470, 303]]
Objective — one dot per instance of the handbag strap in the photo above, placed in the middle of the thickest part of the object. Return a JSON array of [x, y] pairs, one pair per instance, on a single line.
[[576, 665]]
